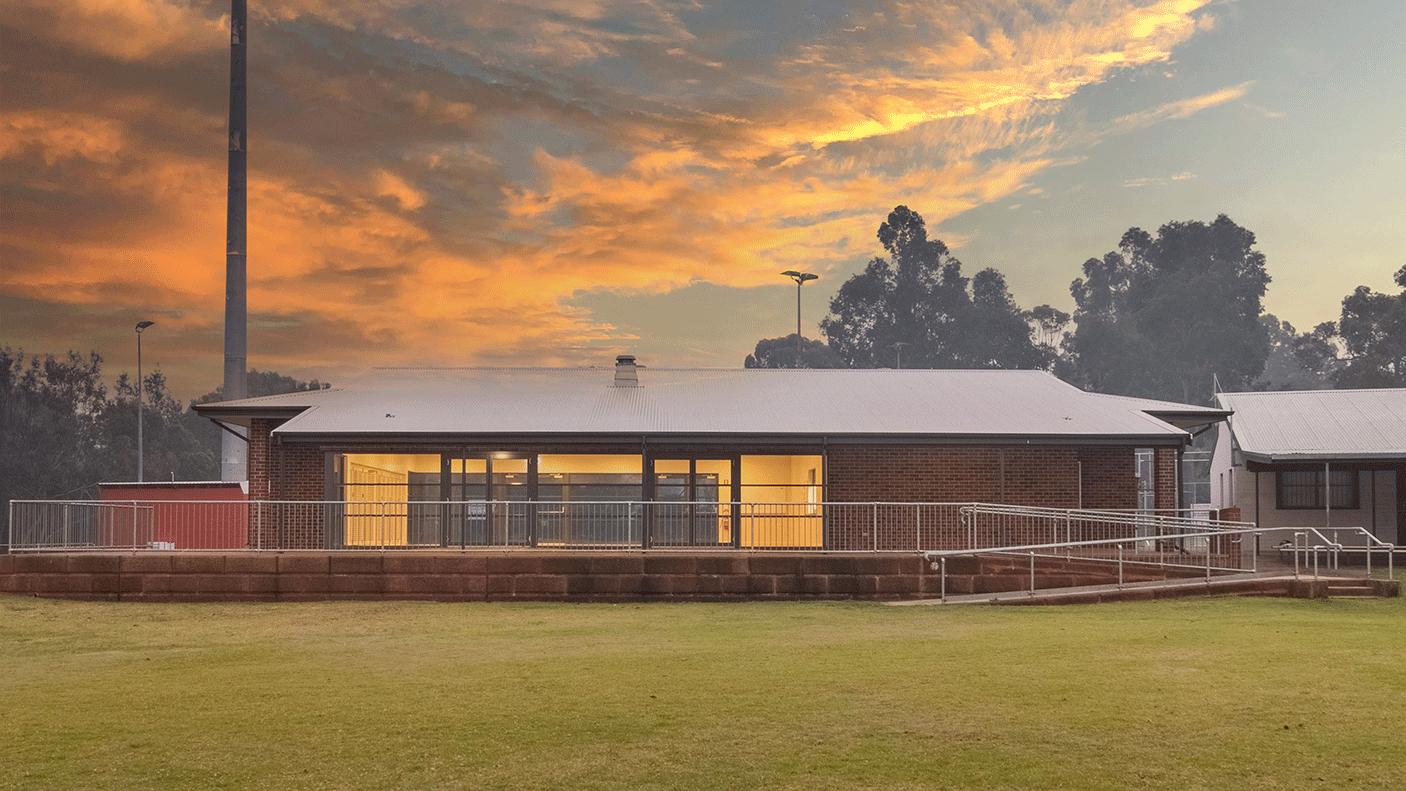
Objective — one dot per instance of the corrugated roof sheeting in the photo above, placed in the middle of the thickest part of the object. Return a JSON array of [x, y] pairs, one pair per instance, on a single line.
[[716, 401], [1319, 424]]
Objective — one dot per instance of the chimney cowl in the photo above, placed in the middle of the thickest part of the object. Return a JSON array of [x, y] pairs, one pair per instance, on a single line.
[[626, 371]]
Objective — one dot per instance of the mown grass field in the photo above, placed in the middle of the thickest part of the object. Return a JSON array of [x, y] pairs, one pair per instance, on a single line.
[[1192, 694]]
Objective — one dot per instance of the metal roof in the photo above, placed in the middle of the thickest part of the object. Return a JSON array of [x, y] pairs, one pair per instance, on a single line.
[[757, 402], [1319, 425]]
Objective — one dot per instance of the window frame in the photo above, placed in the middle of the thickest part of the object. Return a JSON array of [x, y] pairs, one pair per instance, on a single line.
[[1352, 486]]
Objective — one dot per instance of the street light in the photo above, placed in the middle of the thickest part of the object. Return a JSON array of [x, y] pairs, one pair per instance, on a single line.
[[141, 325], [898, 353], [800, 278]]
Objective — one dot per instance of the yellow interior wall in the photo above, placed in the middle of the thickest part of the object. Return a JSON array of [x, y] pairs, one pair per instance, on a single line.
[[469, 466], [402, 463], [721, 468], [585, 462], [766, 479], [374, 523], [782, 480]]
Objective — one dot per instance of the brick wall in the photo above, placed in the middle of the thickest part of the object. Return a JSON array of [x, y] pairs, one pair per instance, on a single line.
[[282, 472], [1165, 479], [1018, 475], [1040, 475], [474, 576], [1110, 477], [521, 576]]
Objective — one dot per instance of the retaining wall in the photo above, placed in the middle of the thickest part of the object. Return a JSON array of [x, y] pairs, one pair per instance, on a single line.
[[486, 576]]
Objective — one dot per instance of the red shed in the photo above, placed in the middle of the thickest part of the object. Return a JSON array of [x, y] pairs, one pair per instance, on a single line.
[[175, 515]]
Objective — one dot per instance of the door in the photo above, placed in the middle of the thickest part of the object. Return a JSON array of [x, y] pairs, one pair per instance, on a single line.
[[692, 502], [487, 499]]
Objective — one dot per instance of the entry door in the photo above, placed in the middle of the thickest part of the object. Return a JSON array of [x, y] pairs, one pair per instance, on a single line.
[[487, 499], [692, 502]]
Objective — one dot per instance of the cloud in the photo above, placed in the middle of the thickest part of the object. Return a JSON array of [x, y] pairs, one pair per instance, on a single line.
[[1267, 113], [1183, 108], [440, 182], [1161, 181]]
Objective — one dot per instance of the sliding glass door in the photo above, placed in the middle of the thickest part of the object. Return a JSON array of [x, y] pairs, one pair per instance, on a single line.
[[692, 502]]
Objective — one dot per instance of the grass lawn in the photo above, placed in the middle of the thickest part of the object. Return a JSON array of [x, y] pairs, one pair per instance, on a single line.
[[1191, 694]]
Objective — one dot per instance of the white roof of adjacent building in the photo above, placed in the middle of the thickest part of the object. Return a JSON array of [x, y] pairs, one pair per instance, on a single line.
[[771, 402], [1319, 425]]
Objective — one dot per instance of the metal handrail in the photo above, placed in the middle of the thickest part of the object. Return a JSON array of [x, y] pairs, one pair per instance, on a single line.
[[1337, 548], [1115, 516], [937, 559]]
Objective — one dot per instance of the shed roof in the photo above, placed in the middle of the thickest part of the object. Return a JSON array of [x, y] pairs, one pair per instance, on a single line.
[[1319, 425], [756, 402]]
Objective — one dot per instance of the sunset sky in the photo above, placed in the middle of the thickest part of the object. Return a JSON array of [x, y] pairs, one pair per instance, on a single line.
[[456, 182]]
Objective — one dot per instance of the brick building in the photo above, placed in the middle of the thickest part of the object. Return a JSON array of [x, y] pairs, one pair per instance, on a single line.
[[688, 457]]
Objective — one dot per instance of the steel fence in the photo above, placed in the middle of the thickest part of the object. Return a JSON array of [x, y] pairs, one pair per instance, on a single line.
[[182, 525]]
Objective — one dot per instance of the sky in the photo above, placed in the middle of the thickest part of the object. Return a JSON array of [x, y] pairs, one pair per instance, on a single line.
[[553, 182]]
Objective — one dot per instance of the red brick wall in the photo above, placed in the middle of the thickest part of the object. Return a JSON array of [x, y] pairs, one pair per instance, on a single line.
[[259, 441], [548, 576], [1165, 479], [1018, 475], [1110, 477], [284, 473], [1040, 475]]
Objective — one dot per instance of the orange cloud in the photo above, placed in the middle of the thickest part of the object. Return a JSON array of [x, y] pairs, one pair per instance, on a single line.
[[438, 185]]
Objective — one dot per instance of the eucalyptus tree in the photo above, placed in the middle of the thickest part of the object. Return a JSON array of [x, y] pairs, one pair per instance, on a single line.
[[916, 306], [1166, 316]]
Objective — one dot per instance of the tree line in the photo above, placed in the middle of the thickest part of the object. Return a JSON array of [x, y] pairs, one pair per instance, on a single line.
[[1175, 316], [62, 430]]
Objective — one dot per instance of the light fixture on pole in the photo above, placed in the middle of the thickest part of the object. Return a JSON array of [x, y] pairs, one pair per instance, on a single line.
[[898, 354], [141, 325], [800, 278]]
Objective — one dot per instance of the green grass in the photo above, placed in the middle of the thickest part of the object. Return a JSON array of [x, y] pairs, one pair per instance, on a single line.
[[1192, 694]]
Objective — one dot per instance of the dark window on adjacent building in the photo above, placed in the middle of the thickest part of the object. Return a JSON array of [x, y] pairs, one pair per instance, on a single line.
[[1304, 489]]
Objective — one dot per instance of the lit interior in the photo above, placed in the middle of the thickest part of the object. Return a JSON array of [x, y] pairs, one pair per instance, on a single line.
[[377, 487], [393, 499], [772, 487]]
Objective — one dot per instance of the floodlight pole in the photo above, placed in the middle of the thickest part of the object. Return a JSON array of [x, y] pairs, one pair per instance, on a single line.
[[234, 451], [141, 325], [801, 278]]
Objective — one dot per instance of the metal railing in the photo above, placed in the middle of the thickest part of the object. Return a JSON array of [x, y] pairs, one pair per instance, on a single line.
[[1206, 548], [1304, 549], [1220, 553], [184, 525]]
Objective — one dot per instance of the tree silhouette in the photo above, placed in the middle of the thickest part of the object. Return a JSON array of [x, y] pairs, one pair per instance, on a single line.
[[918, 304], [1366, 347], [1163, 316]]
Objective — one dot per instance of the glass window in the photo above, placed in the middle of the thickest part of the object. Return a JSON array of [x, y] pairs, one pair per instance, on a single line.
[[782, 479], [589, 478], [1304, 489], [782, 498], [379, 490]]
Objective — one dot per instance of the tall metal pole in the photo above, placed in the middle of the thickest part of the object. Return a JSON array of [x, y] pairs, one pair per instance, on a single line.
[[801, 278], [798, 322], [139, 405], [234, 450], [141, 455]]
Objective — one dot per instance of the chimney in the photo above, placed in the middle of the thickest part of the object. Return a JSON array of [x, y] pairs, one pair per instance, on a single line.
[[626, 371]]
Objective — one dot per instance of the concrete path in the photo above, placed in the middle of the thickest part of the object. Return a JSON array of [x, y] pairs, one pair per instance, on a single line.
[[1231, 584]]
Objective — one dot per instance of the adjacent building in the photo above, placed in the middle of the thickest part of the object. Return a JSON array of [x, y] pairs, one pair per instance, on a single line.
[[1314, 458]]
